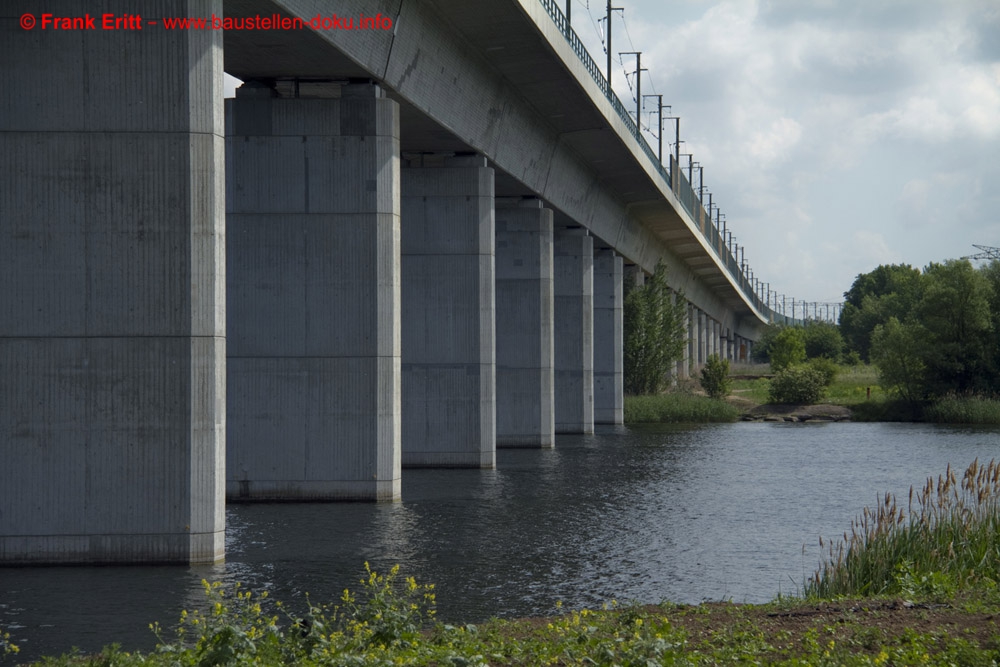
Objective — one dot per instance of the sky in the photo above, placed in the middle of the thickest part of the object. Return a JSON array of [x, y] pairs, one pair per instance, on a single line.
[[835, 135]]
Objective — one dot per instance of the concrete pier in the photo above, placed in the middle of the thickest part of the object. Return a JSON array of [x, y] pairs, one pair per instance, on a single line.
[[684, 364], [609, 379], [524, 325], [449, 355], [574, 331], [314, 296], [112, 312], [703, 337], [694, 333]]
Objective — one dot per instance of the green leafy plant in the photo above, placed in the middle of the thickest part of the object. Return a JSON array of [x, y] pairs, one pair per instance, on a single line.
[[655, 334], [7, 647], [826, 367], [787, 349], [678, 407], [797, 384], [715, 377]]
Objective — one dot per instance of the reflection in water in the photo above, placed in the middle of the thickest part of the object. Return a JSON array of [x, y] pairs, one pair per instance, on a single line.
[[685, 514]]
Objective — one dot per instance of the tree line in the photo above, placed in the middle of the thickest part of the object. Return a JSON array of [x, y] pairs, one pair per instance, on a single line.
[[930, 333]]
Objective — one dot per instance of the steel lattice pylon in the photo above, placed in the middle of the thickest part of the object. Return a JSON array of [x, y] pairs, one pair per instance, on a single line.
[[986, 252]]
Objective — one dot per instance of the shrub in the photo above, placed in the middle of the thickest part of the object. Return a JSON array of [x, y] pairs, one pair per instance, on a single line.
[[826, 367], [715, 377], [6, 646], [797, 384], [239, 628]]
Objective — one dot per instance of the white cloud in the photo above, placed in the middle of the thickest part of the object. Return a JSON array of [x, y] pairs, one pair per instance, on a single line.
[[854, 127], [776, 142]]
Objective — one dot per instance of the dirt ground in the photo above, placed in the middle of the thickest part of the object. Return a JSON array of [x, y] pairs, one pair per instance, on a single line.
[[798, 413], [865, 623]]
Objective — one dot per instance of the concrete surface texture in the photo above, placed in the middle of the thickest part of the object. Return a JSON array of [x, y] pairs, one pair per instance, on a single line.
[[314, 296], [112, 333], [356, 329], [609, 378], [448, 313], [524, 321], [574, 330]]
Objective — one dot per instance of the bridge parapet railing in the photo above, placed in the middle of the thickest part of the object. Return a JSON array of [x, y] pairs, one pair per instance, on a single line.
[[559, 18], [679, 184]]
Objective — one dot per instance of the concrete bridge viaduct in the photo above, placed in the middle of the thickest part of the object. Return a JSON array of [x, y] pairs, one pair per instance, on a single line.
[[393, 248]]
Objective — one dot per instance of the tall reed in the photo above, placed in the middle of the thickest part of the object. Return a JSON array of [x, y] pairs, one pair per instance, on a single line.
[[947, 538], [678, 408], [964, 410]]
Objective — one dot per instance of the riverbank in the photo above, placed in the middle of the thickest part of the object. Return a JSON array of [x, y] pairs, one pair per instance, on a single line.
[[854, 395], [873, 631]]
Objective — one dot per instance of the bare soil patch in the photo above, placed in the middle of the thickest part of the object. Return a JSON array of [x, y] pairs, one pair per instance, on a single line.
[[797, 413]]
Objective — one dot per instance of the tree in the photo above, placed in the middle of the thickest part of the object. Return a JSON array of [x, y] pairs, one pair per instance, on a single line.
[[655, 334], [787, 349], [954, 310], [898, 351], [991, 272], [823, 339], [762, 348], [874, 297]]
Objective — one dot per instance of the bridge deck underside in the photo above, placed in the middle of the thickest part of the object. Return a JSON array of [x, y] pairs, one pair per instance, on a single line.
[[501, 35]]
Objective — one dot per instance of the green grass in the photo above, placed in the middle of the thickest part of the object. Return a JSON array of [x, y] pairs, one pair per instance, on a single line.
[[678, 407], [238, 629], [755, 390], [964, 410], [946, 539], [855, 387], [850, 388]]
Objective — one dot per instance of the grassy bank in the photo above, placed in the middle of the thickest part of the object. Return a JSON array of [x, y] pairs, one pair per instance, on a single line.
[[854, 387], [964, 410], [847, 632], [857, 388], [939, 563], [678, 407]]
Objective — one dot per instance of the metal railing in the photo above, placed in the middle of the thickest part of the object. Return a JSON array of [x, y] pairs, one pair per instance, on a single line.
[[678, 184]]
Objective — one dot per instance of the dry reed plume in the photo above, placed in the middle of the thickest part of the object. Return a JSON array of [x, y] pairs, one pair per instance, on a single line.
[[947, 538]]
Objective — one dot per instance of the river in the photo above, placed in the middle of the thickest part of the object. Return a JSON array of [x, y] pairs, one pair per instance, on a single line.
[[644, 514]]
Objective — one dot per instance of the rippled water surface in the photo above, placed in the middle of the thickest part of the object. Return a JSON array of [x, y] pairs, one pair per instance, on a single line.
[[686, 514]]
